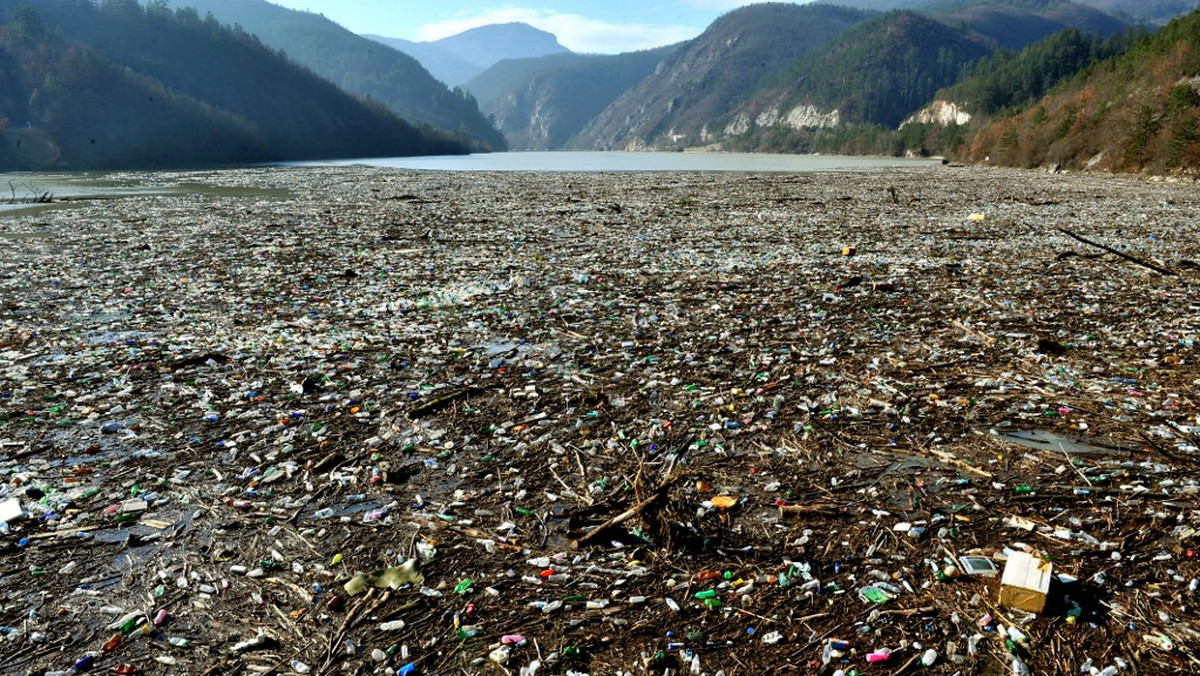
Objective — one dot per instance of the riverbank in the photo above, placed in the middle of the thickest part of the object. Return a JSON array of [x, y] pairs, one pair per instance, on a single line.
[[615, 422]]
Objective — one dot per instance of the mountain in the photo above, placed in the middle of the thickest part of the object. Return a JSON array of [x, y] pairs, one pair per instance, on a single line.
[[885, 5], [1138, 111], [540, 104], [703, 80], [1005, 82], [459, 58], [488, 45], [117, 85], [1152, 12], [1014, 25], [441, 63], [1010, 80], [360, 66], [877, 73]]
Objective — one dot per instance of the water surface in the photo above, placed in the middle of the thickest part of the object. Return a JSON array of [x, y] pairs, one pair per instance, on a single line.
[[633, 161]]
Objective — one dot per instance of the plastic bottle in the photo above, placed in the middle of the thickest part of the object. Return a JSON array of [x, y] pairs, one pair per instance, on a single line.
[[394, 625], [878, 656], [929, 657]]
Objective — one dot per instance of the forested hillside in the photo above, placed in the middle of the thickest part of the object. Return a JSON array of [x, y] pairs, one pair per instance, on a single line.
[[119, 85], [1007, 79], [358, 65], [1133, 112], [1004, 83]]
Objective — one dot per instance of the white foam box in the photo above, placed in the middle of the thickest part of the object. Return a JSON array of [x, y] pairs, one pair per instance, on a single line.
[[1025, 583], [10, 510]]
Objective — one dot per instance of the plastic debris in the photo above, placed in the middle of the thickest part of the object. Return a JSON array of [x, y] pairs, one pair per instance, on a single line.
[[389, 578], [406, 422]]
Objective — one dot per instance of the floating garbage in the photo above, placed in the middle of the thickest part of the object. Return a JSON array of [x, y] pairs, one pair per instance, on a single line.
[[1026, 582], [396, 577], [353, 420]]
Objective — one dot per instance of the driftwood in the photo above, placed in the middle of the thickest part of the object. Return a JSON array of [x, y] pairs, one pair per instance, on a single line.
[[1131, 259], [620, 518], [806, 510]]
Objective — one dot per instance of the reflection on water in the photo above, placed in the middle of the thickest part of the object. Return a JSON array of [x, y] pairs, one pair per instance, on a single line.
[[629, 162], [1048, 441], [27, 194], [22, 210]]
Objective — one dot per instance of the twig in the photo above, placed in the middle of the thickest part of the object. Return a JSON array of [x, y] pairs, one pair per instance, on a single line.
[[352, 617], [909, 612], [1131, 259], [585, 497], [619, 519], [754, 615], [800, 510]]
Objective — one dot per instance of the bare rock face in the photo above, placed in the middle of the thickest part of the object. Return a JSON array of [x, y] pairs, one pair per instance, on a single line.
[[940, 112]]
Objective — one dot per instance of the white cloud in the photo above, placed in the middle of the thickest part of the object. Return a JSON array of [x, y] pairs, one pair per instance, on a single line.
[[577, 33]]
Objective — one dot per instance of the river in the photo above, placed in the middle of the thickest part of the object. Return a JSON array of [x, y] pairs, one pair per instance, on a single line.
[[36, 192], [632, 162]]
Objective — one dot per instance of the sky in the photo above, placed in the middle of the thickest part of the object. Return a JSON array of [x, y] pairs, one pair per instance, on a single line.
[[586, 26]]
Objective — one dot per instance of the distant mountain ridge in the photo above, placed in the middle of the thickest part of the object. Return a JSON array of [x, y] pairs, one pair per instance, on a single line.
[[442, 64], [1014, 25], [542, 103], [1154, 12], [358, 65], [462, 57], [488, 45]]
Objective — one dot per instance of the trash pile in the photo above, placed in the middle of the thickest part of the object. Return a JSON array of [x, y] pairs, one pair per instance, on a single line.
[[369, 421]]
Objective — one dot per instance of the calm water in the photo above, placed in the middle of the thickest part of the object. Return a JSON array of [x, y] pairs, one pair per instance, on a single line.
[[68, 189], [626, 161]]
